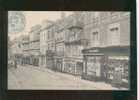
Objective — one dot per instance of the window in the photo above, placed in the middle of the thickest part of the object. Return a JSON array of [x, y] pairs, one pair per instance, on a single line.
[[114, 34], [60, 49], [95, 38], [48, 35], [52, 35], [48, 46], [114, 29]]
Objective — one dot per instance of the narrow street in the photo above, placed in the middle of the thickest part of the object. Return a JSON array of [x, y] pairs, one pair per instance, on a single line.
[[30, 77]]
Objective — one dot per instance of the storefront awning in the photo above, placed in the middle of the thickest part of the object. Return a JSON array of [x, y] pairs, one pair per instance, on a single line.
[[119, 57], [93, 54], [110, 51]]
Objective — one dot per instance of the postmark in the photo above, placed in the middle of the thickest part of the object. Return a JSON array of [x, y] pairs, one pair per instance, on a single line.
[[16, 22]]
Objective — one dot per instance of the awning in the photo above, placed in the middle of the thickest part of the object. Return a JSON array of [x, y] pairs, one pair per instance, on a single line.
[[119, 57]]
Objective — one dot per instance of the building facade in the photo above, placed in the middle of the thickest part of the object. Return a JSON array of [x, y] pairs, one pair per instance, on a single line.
[[43, 47], [16, 50], [74, 42], [59, 44], [45, 42], [26, 48], [10, 55], [50, 44], [63, 36], [95, 45], [106, 57], [34, 44]]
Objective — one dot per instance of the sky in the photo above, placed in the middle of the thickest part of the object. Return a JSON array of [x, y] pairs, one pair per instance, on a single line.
[[37, 17]]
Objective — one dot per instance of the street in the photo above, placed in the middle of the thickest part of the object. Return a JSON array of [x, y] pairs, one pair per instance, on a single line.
[[30, 77]]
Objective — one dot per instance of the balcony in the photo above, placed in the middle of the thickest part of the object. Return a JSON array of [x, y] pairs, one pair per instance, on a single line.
[[78, 41], [75, 24], [50, 53]]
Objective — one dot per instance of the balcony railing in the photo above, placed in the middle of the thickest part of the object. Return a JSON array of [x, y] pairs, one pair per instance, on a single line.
[[75, 24], [50, 53], [78, 41]]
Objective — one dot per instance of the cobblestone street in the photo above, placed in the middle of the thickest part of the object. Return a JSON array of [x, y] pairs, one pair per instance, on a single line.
[[29, 77]]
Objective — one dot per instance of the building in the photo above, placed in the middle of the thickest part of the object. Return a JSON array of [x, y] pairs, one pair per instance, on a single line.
[[63, 36], [64, 44], [9, 49], [95, 45], [74, 42], [106, 57], [50, 50], [34, 44], [59, 44], [26, 48], [43, 42], [16, 50]]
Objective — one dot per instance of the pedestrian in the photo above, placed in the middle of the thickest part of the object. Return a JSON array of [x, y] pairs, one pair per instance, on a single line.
[[15, 64]]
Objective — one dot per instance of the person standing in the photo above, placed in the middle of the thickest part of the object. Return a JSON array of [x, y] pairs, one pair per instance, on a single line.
[[15, 64]]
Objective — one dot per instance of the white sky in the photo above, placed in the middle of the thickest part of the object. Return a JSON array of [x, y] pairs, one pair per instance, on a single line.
[[36, 17]]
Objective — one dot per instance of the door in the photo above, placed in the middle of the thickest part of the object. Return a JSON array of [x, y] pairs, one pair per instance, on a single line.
[[79, 68], [94, 66], [59, 65]]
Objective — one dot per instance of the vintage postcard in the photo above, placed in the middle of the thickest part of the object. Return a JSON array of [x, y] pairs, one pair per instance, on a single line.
[[69, 50]]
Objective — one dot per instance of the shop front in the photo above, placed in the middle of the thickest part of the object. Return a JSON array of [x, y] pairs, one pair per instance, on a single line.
[[59, 63], [109, 64], [50, 61], [73, 66], [18, 58], [25, 60], [93, 67], [118, 70], [34, 60], [42, 62], [79, 68], [117, 65]]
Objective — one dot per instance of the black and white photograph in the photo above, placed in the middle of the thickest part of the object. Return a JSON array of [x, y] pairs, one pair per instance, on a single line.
[[68, 50]]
